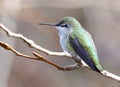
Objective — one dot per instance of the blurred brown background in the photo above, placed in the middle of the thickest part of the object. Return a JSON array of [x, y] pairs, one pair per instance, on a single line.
[[100, 17]]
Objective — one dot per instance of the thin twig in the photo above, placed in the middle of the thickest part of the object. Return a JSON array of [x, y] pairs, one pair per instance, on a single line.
[[8, 47], [46, 61], [110, 75], [33, 45]]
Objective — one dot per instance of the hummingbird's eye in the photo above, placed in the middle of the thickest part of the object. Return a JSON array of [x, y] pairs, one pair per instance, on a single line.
[[65, 25]]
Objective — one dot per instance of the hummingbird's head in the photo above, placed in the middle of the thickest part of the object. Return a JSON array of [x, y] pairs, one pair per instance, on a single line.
[[65, 25], [68, 22]]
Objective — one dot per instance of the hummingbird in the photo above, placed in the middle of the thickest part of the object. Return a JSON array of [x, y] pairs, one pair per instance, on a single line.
[[75, 40]]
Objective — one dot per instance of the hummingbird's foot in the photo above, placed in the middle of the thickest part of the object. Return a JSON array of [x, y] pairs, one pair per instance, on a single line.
[[69, 67]]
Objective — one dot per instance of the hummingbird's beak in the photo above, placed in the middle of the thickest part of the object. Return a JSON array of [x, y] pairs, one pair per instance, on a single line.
[[47, 24]]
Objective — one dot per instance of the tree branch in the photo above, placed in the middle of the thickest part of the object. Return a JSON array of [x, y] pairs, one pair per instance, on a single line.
[[8, 47], [41, 58]]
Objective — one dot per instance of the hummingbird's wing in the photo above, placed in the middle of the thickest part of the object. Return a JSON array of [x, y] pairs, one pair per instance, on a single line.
[[80, 50]]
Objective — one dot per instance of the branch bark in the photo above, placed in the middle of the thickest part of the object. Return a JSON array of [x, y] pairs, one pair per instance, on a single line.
[[32, 44]]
